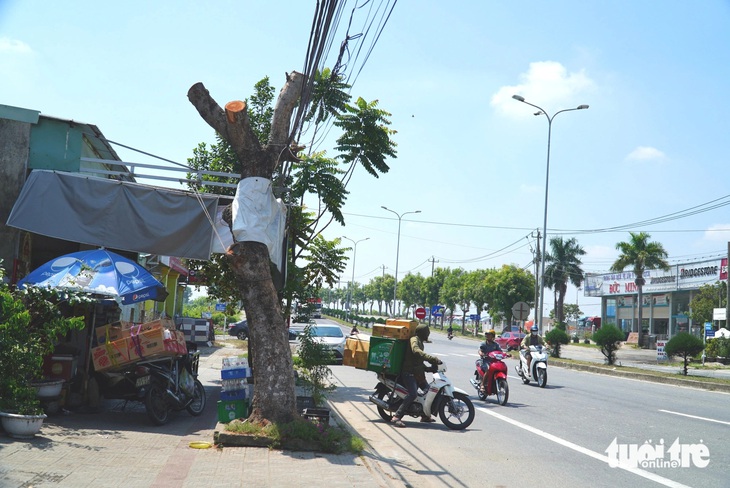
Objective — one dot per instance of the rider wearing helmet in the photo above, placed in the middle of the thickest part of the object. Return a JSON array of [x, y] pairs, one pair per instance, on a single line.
[[531, 339], [413, 372], [488, 346]]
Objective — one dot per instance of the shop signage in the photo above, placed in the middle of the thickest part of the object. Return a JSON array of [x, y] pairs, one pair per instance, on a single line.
[[679, 277]]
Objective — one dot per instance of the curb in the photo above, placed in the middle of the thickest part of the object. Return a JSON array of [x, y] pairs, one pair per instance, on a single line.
[[721, 387]]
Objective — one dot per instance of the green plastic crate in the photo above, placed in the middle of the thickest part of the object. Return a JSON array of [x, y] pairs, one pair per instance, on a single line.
[[232, 409], [386, 353]]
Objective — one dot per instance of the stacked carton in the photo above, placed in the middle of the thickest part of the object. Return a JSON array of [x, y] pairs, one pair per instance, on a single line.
[[234, 393], [388, 345], [356, 352], [123, 343]]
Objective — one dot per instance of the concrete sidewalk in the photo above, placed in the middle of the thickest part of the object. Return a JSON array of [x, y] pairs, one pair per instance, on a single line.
[[120, 448]]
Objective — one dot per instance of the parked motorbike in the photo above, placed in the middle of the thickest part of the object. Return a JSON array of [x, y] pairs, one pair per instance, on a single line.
[[164, 385], [496, 382], [538, 368], [442, 399]]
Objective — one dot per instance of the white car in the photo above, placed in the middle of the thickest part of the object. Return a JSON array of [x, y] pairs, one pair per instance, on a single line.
[[329, 335]]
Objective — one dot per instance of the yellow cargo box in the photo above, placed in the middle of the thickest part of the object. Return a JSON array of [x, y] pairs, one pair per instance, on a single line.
[[411, 324], [356, 344], [360, 359]]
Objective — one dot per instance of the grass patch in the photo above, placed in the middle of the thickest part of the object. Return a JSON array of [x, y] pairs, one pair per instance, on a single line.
[[323, 437], [648, 372]]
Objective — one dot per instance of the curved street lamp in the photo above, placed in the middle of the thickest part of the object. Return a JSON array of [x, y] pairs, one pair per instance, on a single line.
[[397, 251], [547, 179], [352, 283]]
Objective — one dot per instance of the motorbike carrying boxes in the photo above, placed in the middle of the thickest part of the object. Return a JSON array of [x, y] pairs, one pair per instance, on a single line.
[[386, 354], [232, 409], [356, 352]]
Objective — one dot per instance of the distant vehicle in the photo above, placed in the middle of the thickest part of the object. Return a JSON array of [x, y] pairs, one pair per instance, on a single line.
[[592, 323], [331, 336], [509, 341], [316, 307], [239, 329]]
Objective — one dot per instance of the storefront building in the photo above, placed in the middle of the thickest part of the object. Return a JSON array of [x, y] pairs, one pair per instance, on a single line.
[[666, 297]]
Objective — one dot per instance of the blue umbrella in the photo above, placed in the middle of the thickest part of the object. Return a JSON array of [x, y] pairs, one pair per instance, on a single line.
[[100, 272]]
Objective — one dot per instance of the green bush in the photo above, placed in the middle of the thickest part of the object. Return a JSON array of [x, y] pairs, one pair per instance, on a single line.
[[686, 345], [718, 347], [314, 358], [555, 338], [609, 339]]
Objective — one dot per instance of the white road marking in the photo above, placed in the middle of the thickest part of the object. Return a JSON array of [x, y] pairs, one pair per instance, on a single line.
[[695, 417], [600, 457]]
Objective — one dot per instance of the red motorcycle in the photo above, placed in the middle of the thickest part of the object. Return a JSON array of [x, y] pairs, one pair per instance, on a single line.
[[496, 382]]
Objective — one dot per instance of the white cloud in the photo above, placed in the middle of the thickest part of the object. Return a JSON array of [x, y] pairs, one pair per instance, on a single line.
[[645, 153], [718, 233], [14, 46], [547, 84], [531, 189]]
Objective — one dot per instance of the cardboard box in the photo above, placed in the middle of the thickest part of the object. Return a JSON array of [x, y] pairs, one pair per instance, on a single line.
[[111, 355], [392, 331], [411, 324], [151, 343], [122, 329], [354, 344], [360, 360]]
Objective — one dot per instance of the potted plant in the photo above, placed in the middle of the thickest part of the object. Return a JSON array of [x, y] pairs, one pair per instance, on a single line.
[[31, 320]]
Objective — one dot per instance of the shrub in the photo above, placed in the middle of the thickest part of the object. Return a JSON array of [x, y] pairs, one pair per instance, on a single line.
[[718, 347], [314, 357], [555, 338], [686, 345], [609, 339]]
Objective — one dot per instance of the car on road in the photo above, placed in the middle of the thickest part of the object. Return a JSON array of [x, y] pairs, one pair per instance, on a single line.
[[509, 341], [331, 336], [239, 329]]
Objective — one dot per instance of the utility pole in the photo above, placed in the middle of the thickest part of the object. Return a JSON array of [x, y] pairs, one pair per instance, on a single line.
[[537, 280], [433, 262]]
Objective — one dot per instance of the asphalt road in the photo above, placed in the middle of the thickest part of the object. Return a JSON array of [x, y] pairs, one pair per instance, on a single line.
[[562, 435]]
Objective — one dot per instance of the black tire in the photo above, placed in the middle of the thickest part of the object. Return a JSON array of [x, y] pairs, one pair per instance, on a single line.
[[242, 335], [481, 395], [541, 377], [198, 404], [457, 413], [386, 397], [502, 391], [155, 403]]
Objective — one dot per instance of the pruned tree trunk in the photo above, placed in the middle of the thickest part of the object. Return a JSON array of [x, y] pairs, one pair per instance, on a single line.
[[274, 395]]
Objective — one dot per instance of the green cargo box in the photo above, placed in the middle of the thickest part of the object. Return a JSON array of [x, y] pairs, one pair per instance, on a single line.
[[386, 353], [232, 409]]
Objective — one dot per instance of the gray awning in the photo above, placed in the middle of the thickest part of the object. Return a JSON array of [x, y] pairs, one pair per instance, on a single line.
[[115, 214]]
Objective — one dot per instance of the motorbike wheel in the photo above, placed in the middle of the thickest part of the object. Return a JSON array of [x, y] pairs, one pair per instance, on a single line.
[[387, 397], [457, 413], [502, 391], [197, 406], [482, 395], [155, 403], [541, 377]]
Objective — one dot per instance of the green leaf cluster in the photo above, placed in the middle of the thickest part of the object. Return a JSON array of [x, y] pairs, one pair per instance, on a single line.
[[609, 338]]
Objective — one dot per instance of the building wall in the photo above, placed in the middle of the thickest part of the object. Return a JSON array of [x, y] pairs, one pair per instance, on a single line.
[[14, 144]]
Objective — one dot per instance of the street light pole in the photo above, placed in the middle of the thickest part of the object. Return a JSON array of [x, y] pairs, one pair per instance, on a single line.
[[352, 282], [547, 180], [397, 251]]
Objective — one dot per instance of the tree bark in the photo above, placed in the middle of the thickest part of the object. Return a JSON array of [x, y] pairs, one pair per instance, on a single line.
[[274, 396]]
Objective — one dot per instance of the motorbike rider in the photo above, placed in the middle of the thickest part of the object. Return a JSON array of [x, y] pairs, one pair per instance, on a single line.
[[413, 372], [531, 339], [489, 345], [450, 332]]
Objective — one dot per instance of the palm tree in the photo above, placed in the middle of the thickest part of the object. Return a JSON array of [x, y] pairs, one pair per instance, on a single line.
[[642, 255], [563, 266]]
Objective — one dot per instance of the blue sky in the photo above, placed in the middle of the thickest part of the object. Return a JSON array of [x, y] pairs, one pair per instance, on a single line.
[[472, 159]]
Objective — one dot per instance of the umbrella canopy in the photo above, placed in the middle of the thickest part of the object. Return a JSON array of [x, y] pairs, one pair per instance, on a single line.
[[100, 272]]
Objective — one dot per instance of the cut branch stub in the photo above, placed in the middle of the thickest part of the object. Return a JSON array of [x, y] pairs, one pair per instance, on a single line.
[[233, 108]]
